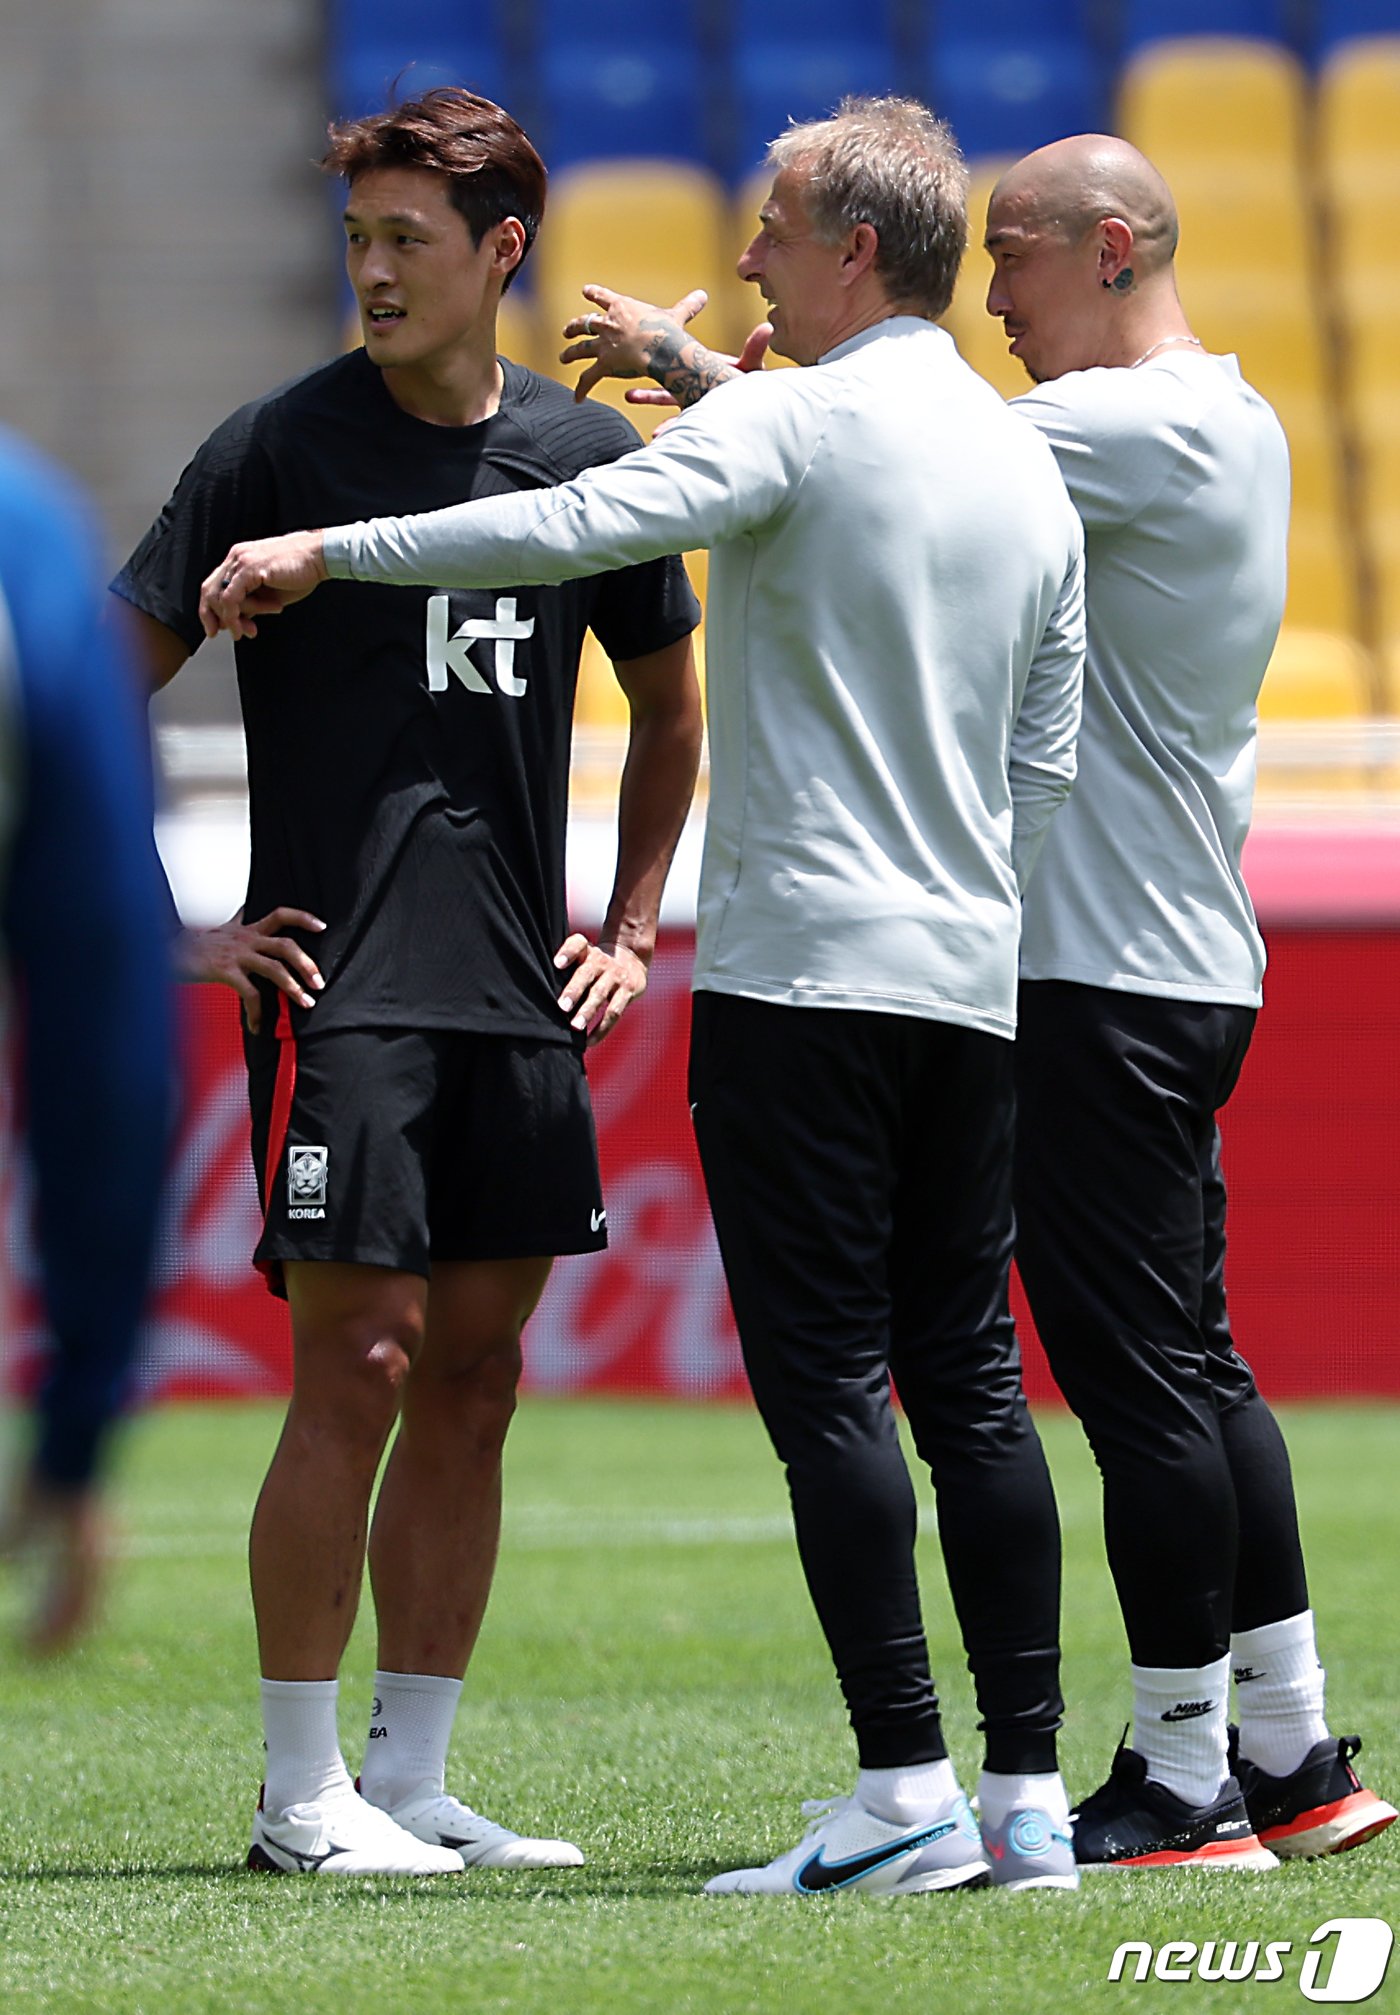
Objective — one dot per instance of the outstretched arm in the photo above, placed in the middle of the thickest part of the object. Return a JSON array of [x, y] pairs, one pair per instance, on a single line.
[[719, 472]]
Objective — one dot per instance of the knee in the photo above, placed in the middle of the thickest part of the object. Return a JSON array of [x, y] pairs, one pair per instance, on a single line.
[[351, 1392], [472, 1397]]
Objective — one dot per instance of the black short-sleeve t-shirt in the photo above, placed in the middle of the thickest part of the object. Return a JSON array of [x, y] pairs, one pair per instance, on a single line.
[[408, 748]]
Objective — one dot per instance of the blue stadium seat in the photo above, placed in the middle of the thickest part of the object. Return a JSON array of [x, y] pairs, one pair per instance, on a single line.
[[1167, 20], [1342, 20], [427, 21], [796, 21], [775, 82], [1015, 21], [365, 77], [1007, 97], [610, 100], [613, 85]]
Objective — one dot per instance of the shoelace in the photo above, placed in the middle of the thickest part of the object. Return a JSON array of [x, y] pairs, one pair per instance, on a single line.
[[819, 1810]]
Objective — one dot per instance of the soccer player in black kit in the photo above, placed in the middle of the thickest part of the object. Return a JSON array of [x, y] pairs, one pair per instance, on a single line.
[[421, 1125]]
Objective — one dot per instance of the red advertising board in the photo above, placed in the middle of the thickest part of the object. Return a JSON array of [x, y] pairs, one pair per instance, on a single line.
[[1312, 1155]]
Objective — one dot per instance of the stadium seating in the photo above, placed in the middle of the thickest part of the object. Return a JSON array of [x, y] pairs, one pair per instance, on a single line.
[[1143, 21], [1358, 133], [370, 76], [1011, 77], [796, 59], [378, 54], [1294, 266], [1337, 21], [610, 84], [652, 228]]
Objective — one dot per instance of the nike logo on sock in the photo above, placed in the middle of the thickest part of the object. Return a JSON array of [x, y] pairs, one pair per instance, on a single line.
[[1188, 1710]]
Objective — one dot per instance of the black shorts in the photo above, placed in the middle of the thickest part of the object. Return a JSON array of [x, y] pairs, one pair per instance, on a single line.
[[399, 1147]]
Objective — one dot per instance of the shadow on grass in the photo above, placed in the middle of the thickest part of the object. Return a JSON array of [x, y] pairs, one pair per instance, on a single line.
[[509, 1885]]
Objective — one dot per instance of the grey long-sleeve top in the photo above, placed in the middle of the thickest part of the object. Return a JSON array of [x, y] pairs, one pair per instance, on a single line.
[[895, 640]]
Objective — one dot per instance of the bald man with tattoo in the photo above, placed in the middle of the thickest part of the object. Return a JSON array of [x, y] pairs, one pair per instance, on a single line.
[[1141, 978]]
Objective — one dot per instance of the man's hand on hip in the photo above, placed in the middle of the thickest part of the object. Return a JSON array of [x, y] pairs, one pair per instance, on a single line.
[[604, 981], [233, 953]]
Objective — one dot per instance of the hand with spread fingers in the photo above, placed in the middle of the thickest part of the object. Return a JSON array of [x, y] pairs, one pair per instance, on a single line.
[[604, 982], [260, 577], [235, 953], [625, 338]]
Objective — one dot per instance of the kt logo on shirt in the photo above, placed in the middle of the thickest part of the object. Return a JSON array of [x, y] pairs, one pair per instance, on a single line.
[[452, 653]]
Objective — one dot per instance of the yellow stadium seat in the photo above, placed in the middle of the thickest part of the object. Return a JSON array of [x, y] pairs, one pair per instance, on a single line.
[[1264, 228], [1273, 331], [1316, 675], [1380, 456], [1214, 98], [1358, 145], [1321, 579], [1358, 108], [650, 228], [1384, 530]]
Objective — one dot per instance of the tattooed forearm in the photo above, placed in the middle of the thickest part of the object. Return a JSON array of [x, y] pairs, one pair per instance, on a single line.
[[685, 368]]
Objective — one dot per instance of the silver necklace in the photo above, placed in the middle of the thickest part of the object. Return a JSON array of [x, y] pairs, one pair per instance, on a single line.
[[1195, 341]]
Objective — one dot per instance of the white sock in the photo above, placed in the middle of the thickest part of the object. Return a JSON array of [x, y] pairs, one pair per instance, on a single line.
[[1279, 1692], [908, 1794], [304, 1762], [997, 1795], [1179, 1725], [410, 1726]]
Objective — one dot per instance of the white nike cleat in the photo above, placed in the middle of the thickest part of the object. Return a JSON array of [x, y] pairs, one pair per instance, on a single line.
[[444, 1821], [342, 1835], [848, 1847]]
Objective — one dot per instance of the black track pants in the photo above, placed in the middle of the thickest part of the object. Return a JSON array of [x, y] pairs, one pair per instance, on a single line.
[[858, 1169], [1120, 1209]]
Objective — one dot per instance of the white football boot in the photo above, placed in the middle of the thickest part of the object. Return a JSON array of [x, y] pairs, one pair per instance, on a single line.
[[441, 1820], [848, 1847], [343, 1835]]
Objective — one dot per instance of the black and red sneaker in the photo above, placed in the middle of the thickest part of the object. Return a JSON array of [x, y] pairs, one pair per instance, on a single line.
[[1133, 1822], [1322, 1807]]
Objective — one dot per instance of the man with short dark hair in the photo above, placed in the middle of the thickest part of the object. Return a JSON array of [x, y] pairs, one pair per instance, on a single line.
[[421, 1125], [894, 640]]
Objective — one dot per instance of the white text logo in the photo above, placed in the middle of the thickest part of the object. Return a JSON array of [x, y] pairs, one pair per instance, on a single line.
[[1357, 1947], [453, 653]]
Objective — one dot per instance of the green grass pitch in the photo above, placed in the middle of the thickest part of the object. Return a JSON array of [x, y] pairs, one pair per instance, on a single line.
[[650, 1683]]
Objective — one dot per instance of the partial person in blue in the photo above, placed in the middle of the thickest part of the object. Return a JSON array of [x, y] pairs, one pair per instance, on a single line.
[[86, 940]]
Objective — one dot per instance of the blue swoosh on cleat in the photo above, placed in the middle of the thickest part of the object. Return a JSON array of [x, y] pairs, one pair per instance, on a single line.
[[819, 1873]]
